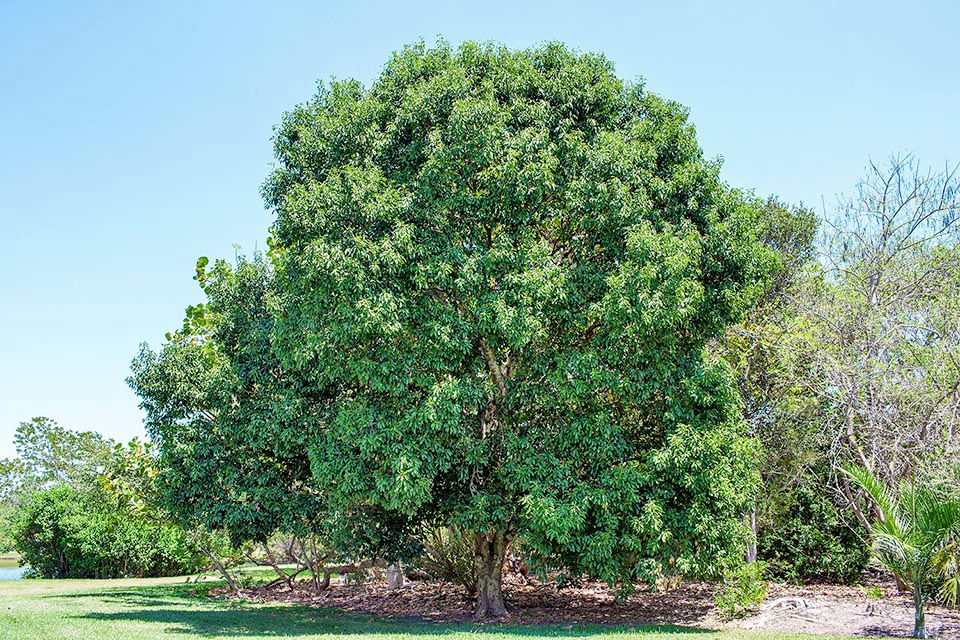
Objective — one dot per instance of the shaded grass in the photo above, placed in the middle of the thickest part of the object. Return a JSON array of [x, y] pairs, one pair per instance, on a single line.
[[142, 609]]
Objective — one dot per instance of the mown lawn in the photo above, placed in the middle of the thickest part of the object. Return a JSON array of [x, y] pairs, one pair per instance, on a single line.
[[171, 608]]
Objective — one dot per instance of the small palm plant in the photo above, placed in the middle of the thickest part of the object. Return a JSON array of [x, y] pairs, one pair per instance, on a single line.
[[916, 536]]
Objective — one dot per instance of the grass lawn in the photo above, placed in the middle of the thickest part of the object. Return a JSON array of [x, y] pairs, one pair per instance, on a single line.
[[171, 608]]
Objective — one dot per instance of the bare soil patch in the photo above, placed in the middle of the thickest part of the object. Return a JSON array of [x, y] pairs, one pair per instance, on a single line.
[[821, 609], [833, 609]]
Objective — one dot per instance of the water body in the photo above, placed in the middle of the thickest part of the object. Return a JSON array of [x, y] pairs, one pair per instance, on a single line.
[[10, 569]]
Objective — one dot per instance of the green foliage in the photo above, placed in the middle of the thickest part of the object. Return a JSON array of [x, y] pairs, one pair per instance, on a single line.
[[131, 482], [916, 535], [6, 529], [805, 538], [88, 511], [499, 270], [48, 454], [493, 279], [949, 592], [742, 590], [66, 532], [231, 449], [53, 454], [873, 592], [851, 357]]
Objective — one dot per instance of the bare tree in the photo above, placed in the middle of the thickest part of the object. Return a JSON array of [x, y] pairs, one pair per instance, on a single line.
[[886, 318]]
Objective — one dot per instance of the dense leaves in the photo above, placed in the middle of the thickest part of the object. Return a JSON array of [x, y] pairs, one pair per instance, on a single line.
[[496, 274], [66, 523], [803, 528], [807, 536], [852, 357], [49, 454], [506, 294], [66, 532], [492, 280], [231, 455]]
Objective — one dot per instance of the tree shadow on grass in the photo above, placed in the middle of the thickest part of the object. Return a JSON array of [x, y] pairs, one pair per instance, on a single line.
[[182, 593], [168, 609]]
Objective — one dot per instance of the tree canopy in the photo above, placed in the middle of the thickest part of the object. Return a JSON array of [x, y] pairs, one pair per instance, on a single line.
[[57, 512], [493, 275]]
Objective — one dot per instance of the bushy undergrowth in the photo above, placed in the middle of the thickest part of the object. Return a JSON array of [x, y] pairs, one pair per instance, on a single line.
[[65, 532], [808, 541], [449, 555], [742, 590]]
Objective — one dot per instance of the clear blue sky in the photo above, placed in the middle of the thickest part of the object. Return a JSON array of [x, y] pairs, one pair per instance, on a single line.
[[135, 139]]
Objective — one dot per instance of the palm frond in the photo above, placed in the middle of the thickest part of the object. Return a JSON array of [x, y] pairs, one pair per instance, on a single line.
[[917, 536], [894, 545], [909, 502], [939, 518], [949, 592], [878, 493], [946, 562]]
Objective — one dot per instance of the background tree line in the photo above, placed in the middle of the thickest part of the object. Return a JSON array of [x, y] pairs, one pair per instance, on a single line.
[[62, 517], [851, 358]]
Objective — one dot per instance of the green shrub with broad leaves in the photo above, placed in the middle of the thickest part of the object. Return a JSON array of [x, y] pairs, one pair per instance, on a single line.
[[808, 540], [742, 590], [67, 532]]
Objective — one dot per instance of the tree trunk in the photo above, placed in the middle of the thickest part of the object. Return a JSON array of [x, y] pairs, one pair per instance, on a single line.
[[751, 554], [276, 566], [223, 572], [394, 576], [920, 623], [490, 549]]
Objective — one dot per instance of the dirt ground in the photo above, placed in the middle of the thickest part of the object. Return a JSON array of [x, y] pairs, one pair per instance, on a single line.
[[823, 609]]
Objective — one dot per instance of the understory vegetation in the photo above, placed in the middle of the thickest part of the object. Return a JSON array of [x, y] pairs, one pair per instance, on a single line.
[[63, 532]]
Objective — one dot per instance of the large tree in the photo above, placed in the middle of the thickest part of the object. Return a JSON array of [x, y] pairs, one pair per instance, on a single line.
[[496, 275], [228, 428], [47, 454], [229, 458]]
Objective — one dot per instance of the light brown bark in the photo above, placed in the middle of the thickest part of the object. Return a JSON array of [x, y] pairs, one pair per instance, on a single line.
[[223, 572], [490, 549]]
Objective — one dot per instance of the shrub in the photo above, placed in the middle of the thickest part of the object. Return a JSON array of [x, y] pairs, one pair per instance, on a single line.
[[449, 556], [742, 590], [807, 540], [64, 532], [873, 592]]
